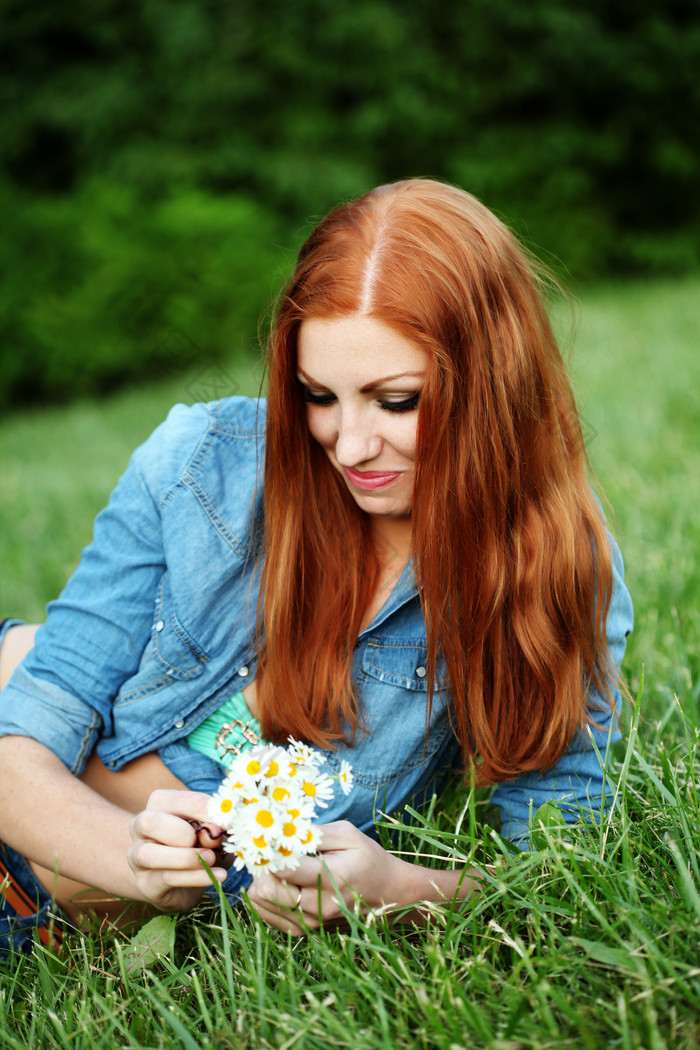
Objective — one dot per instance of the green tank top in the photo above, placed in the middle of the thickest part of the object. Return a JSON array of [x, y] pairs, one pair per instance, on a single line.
[[227, 732]]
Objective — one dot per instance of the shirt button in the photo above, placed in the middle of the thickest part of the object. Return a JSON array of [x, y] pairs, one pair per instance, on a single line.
[[160, 625], [243, 671], [179, 724], [421, 672]]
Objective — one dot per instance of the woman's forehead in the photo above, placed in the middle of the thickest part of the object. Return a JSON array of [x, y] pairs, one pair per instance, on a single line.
[[356, 344]]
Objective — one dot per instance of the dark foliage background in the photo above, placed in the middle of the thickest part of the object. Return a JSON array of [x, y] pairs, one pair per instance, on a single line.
[[160, 159]]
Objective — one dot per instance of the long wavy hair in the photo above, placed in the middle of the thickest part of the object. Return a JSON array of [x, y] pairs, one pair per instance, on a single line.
[[509, 545]]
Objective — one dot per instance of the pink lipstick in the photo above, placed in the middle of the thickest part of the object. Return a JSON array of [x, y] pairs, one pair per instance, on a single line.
[[370, 479]]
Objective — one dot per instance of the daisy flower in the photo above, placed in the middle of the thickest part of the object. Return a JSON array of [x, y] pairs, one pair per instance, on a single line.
[[301, 754], [267, 804], [316, 786], [345, 777]]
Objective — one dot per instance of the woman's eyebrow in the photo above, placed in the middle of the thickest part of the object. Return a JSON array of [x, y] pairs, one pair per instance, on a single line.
[[368, 387], [389, 379]]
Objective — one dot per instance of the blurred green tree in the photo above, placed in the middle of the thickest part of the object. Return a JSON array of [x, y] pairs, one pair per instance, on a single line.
[[575, 119]]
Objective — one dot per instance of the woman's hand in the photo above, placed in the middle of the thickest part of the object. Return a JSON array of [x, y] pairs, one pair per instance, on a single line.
[[349, 865], [167, 840]]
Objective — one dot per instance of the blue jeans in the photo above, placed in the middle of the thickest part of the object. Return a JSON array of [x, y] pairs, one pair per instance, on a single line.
[[18, 931]]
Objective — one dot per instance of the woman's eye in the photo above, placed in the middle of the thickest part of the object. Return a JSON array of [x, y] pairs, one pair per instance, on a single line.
[[316, 399], [407, 405]]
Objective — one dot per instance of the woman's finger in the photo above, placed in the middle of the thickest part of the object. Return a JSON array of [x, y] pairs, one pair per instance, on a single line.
[[279, 897], [337, 837], [275, 891], [286, 920], [156, 856], [307, 906], [313, 874], [171, 879], [289, 895], [190, 805], [153, 826], [208, 835]]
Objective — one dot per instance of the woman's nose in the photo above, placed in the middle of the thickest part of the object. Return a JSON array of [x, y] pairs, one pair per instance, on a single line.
[[356, 442]]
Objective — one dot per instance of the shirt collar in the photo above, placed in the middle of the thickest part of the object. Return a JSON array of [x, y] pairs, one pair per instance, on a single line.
[[404, 590]]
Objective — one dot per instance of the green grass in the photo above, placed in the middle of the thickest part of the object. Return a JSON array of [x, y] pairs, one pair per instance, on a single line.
[[584, 943], [59, 466]]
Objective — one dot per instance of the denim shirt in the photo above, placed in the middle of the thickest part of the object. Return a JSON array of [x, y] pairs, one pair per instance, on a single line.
[[156, 629]]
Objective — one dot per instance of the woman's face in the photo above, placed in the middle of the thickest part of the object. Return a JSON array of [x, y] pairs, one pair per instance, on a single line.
[[362, 381]]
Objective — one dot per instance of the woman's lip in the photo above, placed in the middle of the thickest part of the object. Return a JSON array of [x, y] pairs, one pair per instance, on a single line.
[[370, 479]]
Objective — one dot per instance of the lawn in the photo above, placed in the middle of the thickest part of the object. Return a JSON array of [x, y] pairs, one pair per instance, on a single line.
[[589, 942]]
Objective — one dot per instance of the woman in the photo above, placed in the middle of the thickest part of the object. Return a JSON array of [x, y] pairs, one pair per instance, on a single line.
[[403, 565]]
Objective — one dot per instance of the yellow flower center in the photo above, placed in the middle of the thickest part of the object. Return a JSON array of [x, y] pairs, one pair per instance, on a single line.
[[253, 767], [280, 794], [284, 851], [309, 788], [289, 829], [260, 842], [226, 805], [272, 770], [307, 838], [265, 818]]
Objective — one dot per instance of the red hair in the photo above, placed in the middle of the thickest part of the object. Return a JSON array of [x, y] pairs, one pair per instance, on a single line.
[[509, 546]]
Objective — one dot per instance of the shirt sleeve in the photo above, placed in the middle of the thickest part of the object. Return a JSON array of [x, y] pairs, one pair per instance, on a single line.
[[96, 631], [576, 783]]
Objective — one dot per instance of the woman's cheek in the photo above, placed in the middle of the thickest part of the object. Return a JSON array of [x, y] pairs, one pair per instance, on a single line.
[[322, 428]]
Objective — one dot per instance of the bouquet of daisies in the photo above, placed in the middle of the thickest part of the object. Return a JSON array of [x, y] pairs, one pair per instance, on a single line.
[[267, 803]]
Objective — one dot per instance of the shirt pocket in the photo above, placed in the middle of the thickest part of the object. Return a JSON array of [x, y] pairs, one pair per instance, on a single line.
[[399, 744], [402, 663], [172, 654]]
